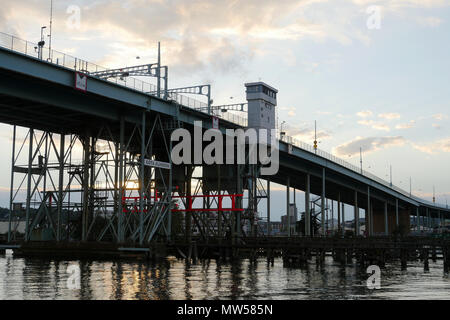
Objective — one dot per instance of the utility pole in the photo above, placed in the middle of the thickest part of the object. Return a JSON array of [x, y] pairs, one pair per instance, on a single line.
[[315, 136], [50, 35], [410, 187], [391, 175], [360, 157], [158, 89], [41, 44], [434, 194]]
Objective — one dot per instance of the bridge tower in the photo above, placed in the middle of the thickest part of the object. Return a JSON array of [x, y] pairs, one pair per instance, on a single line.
[[262, 100]]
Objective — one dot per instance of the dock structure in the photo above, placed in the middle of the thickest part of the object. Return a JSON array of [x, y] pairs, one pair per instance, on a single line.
[[92, 168]]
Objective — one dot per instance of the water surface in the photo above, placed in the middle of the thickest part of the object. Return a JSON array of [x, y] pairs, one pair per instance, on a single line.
[[31, 278]]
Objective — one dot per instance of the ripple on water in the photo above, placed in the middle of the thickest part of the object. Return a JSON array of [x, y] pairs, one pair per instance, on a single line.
[[23, 278]]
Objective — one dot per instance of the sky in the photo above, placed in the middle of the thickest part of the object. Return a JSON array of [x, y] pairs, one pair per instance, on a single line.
[[373, 74]]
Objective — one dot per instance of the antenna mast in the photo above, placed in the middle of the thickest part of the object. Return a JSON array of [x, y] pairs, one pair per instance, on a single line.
[[50, 35]]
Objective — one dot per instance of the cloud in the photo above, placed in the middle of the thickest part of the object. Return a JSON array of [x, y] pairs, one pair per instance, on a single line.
[[370, 144], [407, 125], [439, 146], [440, 116], [389, 116], [306, 134], [430, 21], [365, 114], [198, 36], [375, 125], [436, 126]]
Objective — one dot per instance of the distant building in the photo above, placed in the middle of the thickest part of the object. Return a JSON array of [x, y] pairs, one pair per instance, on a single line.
[[275, 227], [293, 213]]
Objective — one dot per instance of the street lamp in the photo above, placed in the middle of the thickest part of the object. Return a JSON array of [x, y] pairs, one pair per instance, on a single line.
[[41, 43], [282, 133], [360, 159]]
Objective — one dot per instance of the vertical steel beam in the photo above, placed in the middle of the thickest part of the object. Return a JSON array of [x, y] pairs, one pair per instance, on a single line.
[[332, 216], [343, 218], [396, 213], [307, 206], [169, 218], [294, 211], [417, 220], [371, 220], [116, 182], [288, 205], [368, 215], [60, 185], [85, 214], [120, 231], [11, 192], [356, 214], [188, 215], [269, 223], [239, 201], [339, 212], [323, 203], [219, 214], [386, 224], [28, 205], [142, 180]]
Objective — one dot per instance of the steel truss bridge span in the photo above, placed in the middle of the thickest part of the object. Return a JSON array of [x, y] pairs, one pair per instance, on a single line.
[[82, 153]]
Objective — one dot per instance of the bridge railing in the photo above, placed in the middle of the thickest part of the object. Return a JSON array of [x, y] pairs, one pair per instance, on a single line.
[[62, 59], [307, 147]]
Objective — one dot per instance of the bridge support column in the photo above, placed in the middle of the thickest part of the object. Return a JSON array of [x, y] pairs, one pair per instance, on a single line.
[[339, 213], [343, 219], [386, 223], [60, 187], [356, 215], [323, 203], [28, 204], [121, 170], [142, 180], [396, 214], [368, 215], [269, 223], [11, 192], [85, 187], [307, 206], [417, 220], [239, 203], [288, 206], [188, 215]]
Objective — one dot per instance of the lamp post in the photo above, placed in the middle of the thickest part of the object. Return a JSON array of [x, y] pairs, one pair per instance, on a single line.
[[41, 43], [282, 133], [315, 136], [361, 160]]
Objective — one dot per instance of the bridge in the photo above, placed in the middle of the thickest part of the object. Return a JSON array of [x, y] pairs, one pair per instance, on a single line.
[[91, 163]]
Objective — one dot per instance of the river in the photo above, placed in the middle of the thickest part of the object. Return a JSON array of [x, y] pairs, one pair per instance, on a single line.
[[31, 278]]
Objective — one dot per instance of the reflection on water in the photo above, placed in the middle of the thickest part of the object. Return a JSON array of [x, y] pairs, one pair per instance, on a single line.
[[174, 279]]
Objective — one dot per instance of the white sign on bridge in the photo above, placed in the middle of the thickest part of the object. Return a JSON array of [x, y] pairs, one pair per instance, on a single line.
[[157, 164]]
